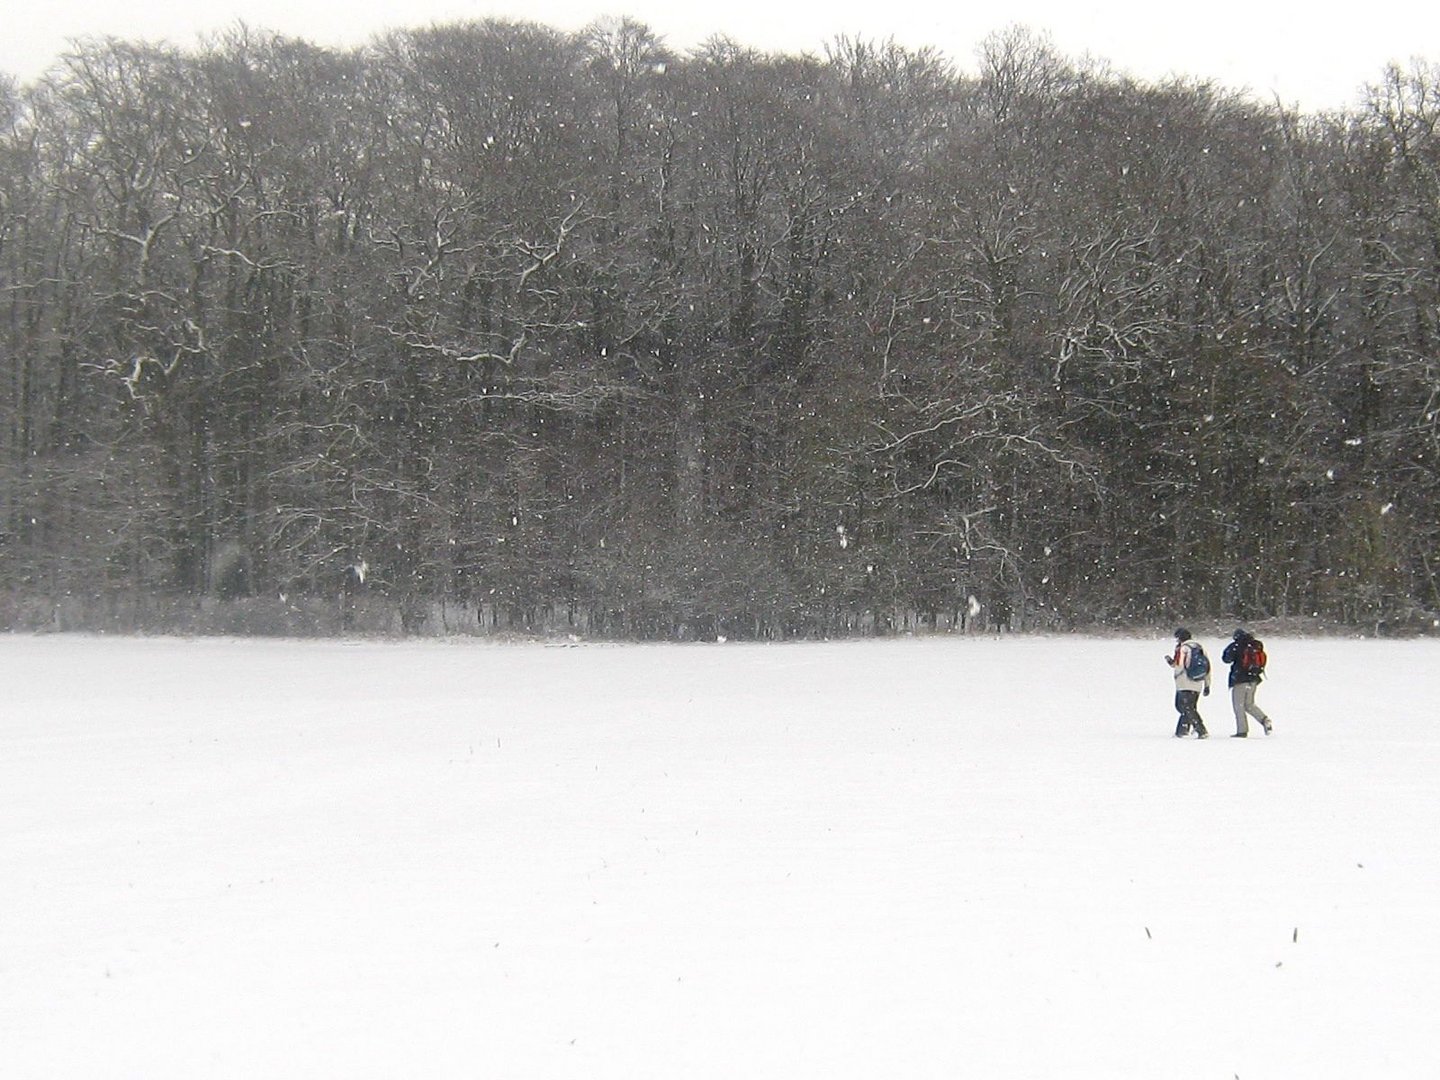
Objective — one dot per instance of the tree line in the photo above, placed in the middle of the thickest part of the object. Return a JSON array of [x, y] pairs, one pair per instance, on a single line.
[[489, 325]]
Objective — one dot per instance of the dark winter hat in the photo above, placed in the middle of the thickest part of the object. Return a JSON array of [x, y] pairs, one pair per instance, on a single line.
[[1181, 634], [1240, 634]]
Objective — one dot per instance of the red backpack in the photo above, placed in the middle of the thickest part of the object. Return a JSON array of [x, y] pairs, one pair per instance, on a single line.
[[1252, 658]]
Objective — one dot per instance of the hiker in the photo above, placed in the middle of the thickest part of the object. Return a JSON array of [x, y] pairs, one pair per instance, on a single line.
[[1192, 678], [1246, 656]]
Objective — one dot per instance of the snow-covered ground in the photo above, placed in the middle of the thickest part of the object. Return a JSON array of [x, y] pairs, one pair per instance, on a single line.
[[927, 858]]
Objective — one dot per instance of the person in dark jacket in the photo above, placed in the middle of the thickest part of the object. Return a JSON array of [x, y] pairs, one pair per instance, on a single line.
[[1246, 656]]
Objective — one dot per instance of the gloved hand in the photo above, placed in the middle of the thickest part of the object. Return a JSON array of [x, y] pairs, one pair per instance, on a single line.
[[1206, 692]]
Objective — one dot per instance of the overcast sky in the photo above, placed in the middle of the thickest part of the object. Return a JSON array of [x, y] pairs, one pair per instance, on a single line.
[[1315, 54]]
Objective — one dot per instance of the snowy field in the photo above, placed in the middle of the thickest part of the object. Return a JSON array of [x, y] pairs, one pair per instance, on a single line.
[[943, 858]]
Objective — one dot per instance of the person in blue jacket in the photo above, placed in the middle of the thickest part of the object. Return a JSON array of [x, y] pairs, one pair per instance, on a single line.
[[1246, 656]]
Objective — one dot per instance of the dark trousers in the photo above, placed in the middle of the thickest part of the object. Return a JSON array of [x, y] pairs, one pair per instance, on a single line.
[[1187, 704]]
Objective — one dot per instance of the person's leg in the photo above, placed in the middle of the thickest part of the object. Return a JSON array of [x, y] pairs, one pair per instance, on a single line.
[[1238, 703], [1182, 726], [1253, 709], [1188, 702], [1196, 721]]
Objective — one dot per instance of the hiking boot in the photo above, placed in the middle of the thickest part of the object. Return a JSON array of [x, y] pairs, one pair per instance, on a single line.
[[1266, 725], [1240, 735], [1202, 734]]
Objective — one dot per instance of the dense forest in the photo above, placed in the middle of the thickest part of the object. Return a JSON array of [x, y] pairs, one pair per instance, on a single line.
[[492, 327]]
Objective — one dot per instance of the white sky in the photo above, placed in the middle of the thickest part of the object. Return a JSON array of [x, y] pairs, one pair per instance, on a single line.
[[1317, 55]]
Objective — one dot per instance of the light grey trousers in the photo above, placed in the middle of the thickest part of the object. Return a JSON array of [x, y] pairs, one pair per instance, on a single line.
[[1242, 697]]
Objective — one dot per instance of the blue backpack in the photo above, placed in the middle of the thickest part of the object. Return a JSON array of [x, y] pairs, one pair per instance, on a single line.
[[1197, 664]]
